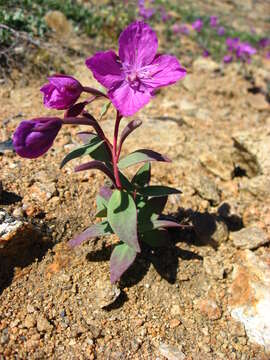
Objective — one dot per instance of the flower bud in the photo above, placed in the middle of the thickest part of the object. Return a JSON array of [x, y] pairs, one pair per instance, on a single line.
[[61, 92], [34, 137]]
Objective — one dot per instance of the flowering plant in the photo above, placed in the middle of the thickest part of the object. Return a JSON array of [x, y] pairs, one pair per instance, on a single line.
[[132, 209]]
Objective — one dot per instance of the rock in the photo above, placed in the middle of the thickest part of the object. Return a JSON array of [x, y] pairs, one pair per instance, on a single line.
[[41, 192], [251, 237], [4, 337], [209, 308], [258, 102], [208, 190], [193, 83], [213, 267], [43, 324], [258, 187], [187, 107], [58, 22], [250, 295], [18, 212], [219, 163], [209, 227], [30, 321], [205, 64], [171, 352], [252, 151], [15, 234], [258, 214], [105, 293], [174, 323]]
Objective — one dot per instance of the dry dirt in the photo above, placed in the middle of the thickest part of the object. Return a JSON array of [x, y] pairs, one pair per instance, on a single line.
[[52, 299]]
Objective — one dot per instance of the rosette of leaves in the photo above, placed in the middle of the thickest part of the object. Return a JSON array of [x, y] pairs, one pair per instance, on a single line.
[[133, 213]]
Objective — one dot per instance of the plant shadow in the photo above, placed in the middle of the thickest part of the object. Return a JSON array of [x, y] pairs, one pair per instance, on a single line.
[[197, 229], [9, 198]]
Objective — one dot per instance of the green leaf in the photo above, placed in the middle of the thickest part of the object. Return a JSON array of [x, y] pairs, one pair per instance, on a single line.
[[104, 109], [151, 209], [158, 190], [156, 224], [141, 155], [156, 238], [122, 216], [102, 201], [143, 175], [101, 207], [121, 259], [93, 231], [82, 150]]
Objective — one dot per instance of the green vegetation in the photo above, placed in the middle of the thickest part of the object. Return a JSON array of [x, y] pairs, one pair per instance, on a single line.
[[28, 16]]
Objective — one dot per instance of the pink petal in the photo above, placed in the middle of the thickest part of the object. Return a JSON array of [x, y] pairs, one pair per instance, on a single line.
[[138, 44], [106, 68], [165, 70], [127, 100]]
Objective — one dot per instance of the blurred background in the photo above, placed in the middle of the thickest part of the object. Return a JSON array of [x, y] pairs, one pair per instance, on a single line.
[[33, 31]]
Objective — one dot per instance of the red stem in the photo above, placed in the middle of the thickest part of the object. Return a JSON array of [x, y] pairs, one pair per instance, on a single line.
[[115, 155]]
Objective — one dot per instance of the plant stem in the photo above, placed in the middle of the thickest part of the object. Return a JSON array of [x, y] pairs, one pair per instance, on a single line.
[[94, 91], [115, 155]]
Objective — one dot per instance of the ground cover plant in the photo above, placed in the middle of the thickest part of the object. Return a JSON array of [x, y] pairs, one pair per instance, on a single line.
[[130, 208]]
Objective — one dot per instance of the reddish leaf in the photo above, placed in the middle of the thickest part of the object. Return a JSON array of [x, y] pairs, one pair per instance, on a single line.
[[121, 259]]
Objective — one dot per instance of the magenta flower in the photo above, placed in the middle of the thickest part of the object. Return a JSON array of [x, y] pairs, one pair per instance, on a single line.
[[197, 25], [61, 92], [264, 42], [205, 53], [221, 31], [132, 77], [213, 21], [34, 137], [244, 51], [232, 44], [227, 59], [176, 29]]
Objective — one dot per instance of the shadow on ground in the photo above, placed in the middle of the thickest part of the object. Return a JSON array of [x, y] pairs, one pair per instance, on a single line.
[[198, 229], [32, 247]]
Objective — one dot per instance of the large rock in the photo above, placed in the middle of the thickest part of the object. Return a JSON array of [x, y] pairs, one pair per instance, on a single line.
[[58, 22], [250, 295], [249, 238], [219, 163], [258, 187], [15, 234], [252, 151]]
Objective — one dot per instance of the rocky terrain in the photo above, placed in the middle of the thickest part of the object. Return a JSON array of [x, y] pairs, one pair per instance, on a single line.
[[205, 296]]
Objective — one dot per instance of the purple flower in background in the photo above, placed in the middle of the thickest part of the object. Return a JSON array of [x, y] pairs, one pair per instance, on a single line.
[[34, 137], [61, 92], [184, 29], [232, 44], [268, 55], [132, 77], [244, 51], [227, 59], [213, 21], [145, 13], [164, 15], [264, 42], [221, 31], [205, 53], [176, 28], [197, 25]]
